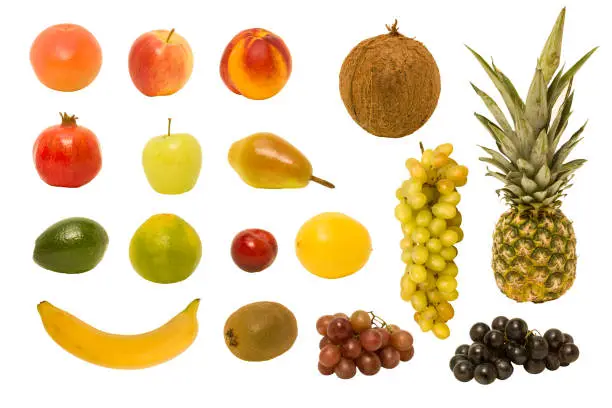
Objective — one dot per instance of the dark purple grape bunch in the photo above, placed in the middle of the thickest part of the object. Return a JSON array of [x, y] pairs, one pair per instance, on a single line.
[[495, 349], [361, 342]]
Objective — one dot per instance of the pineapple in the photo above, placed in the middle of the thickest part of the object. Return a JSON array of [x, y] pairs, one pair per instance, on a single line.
[[534, 245]]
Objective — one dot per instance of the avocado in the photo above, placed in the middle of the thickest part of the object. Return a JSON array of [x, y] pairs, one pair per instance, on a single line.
[[74, 245], [260, 331]]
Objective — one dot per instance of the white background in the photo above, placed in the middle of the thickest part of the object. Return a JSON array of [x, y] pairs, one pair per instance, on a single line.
[[367, 170]]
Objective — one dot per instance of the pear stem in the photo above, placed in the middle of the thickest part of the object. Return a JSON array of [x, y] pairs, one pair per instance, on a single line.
[[169, 123], [169, 35], [322, 182]]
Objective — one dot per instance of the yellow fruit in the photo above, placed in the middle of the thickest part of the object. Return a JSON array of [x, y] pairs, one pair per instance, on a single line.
[[445, 211], [441, 330], [419, 301], [121, 351], [446, 149], [333, 245], [418, 273], [434, 245], [445, 311]]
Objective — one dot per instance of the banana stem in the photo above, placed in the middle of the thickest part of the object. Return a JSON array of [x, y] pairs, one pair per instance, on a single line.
[[322, 182]]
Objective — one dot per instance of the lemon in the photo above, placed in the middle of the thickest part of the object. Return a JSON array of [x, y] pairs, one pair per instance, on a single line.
[[333, 245], [165, 249]]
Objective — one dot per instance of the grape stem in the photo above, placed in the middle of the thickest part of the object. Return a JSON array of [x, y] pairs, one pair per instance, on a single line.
[[377, 320], [422, 148]]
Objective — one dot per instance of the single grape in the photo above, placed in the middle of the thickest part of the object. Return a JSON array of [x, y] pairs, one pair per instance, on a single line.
[[410, 187], [346, 369], [437, 226], [464, 371], [450, 296], [407, 256], [445, 186], [423, 218], [426, 325], [537, 347], [330, 355], [427, 158], [445, 211], [440, 159], [445, 149], [448, 253], [421, 235], [434, 245], [401, 340], [494, 339], [339, 330], [499, 323], [417, 171], [455, 221], [325, 370], [516, 330], [419, 254], [360, 320], [455, 359], [371, 339], [457, 173], [554, 338], [535, 366], [478, 353], [417, 201], [567, 338], [407, 355], [418, 273], [403, 212], [405, 244], [419, 301], [459, 232], [436, 263], [385, 335], [408, 228], [504, 368], [407, 285], [568, 353], [446, 284], [389, 357], [445, 311], [434, 297], [430, 313], [351, 348], [462, 350], [485, 373], [450, 270], [324, 342], [369, 363], [449, 238], [478, 332], [552, 361], [441, 330], [516, 353], [393, 328], [453, 198], [322, 324]]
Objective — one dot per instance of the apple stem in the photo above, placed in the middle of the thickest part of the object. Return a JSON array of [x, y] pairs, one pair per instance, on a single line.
[[169, 35], [169, 123], [68, 120], [322, 182]]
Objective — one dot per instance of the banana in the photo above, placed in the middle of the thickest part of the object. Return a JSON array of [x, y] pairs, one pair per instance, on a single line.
[[121, 351]]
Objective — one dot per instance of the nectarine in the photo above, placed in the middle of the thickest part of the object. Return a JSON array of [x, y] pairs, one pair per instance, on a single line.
[[160, 63], [256, 64], [66, 57]]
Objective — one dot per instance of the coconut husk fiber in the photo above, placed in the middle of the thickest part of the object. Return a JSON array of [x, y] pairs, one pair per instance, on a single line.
[[390, 84]]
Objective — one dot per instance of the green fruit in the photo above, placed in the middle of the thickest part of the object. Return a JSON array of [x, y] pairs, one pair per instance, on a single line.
[[73, 245], [165, 249], [260, 331], [172, 162]]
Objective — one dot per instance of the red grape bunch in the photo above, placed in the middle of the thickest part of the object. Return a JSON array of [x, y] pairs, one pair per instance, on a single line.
[[364, 341]]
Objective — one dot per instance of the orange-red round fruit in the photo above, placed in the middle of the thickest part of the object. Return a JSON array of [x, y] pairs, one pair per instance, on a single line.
[[66, 57]]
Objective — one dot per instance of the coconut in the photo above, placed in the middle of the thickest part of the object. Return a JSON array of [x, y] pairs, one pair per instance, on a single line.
[[390, 84]]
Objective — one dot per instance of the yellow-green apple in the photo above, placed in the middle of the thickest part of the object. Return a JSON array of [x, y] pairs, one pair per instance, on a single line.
[[160, 62], [172, 162]]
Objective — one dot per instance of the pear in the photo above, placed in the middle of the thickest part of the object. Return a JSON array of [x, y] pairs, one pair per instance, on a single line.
[[265, 160], [172, 162]]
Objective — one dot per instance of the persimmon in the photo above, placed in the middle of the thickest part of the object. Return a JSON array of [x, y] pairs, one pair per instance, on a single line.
[[66, 57]]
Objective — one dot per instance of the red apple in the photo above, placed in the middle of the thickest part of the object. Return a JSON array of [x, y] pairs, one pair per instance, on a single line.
[[160, 62], [253, 250], [67, 155]]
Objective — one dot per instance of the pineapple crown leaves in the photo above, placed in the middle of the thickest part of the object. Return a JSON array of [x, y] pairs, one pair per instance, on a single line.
[[531, 164]]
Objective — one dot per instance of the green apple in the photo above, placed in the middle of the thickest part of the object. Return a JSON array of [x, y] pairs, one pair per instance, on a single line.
[[172, 162]]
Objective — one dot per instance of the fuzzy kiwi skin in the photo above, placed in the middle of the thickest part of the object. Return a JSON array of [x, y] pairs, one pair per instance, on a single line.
[[260, 331], [390, 84]]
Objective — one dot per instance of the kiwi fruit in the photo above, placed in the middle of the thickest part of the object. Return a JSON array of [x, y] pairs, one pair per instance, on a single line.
[[260, 331]]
